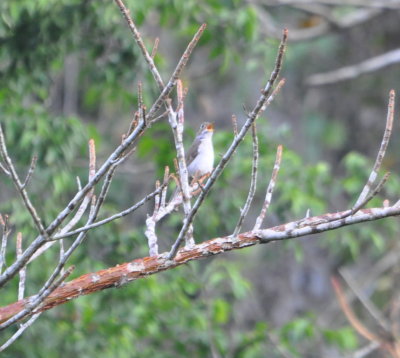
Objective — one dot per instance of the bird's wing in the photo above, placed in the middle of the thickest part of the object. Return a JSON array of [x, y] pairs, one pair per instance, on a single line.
[[193, 151]]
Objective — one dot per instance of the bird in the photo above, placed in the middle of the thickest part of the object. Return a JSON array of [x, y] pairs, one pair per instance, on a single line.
[[200, 156]]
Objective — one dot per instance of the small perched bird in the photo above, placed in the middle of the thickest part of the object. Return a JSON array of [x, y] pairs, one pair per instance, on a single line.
[[200, 156]]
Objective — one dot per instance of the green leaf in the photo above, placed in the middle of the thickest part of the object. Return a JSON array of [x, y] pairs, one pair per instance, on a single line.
[[221, 311]]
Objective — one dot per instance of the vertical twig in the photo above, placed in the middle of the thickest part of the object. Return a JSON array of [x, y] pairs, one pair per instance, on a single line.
[[382, 150], [176, 120], [270, 189], [30, 171], [234, 125], [253, 182], [22, 272], [155, 48], [4, 222]]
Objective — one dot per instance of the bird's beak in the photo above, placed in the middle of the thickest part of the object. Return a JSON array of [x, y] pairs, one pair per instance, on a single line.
[[210, 127]]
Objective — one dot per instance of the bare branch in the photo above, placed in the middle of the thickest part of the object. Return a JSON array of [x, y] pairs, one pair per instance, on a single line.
[[136, 34], [111, 218], [35, 301], [253, 182], [176, 121], [165, 90], [155, 48], [20, 331], [5, 171], [382, 150], [387, 4], [81, 210], [372, 194], [78, 182], [30, 172], [270, 189], [365, 351], [346, 73], [176, 74], [165, 209], [234, 125], [143, 267], [22, 272], [165, 185], [354, 321], [368, 304], [4, 238], [19, 186]]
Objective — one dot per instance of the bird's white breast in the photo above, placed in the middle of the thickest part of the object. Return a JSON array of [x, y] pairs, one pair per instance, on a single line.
[[204, 161]]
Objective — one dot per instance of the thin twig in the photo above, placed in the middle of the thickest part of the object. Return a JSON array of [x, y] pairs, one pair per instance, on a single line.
[[162, 115], [368, 304], [4, 222], [307, 220], [62, 253], [140, 43], [22, 272], [155, 48], [21, 330], [157, 199], [372, 194], [19, 186], [234, 125], [176, 74], [6, 172], [176, 121], [258, 109], [36, 300], [81, 210], [347, 310], [270, 189], [382, 150], [387, 4], [30, 172], [111, 218], [367, 194], [348, 72], [165, 209], [165, 184], [253, 183], [94, 209], [284, 353], [365, 351], [78, 182], [165, 89]]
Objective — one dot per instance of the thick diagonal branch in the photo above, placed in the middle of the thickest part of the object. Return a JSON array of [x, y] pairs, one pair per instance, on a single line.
[[143, 267]]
